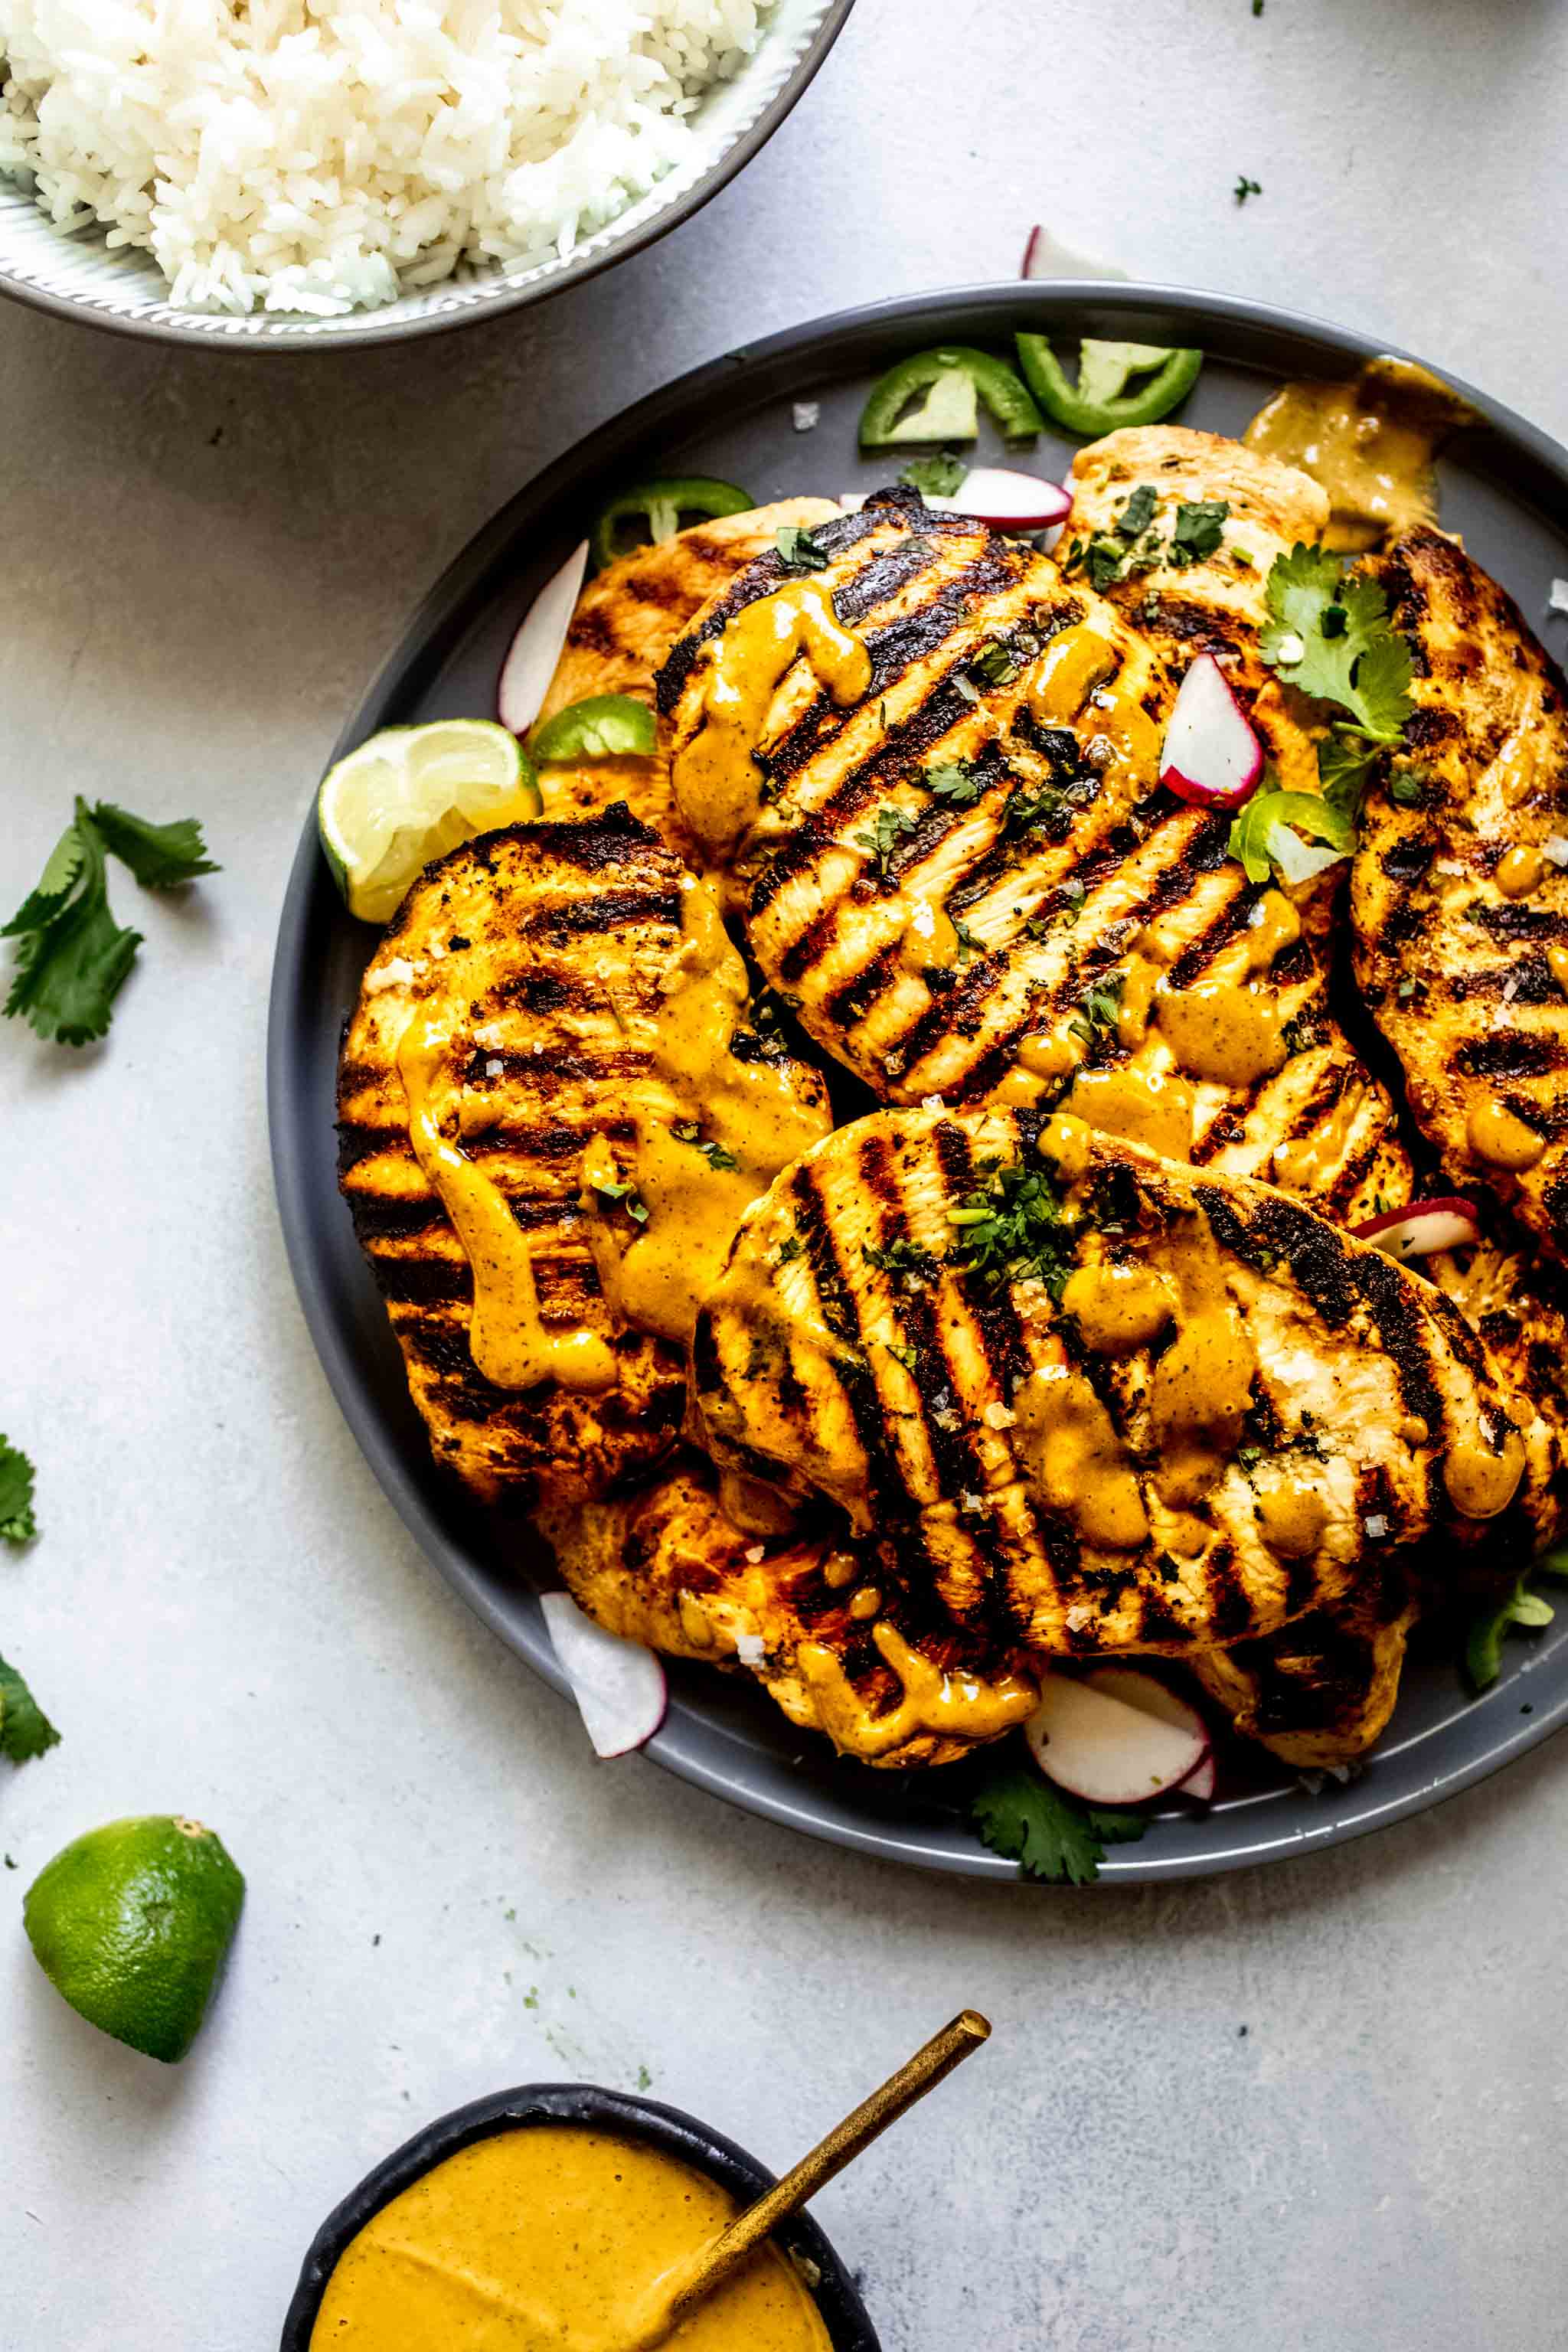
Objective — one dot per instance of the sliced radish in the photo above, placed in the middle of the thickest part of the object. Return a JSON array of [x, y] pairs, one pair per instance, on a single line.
[[1423, 1227], [1150, 1695], [1101, 1750], [618, 1685], [1044, 257], [1201, 1784], [1013, 501], [1211, 758], [533, 653]]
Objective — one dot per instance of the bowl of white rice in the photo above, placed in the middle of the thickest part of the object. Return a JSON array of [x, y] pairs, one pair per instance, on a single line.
[[287, 173]]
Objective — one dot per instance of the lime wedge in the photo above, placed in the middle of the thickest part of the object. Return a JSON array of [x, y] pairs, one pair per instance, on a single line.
[[410, 795]]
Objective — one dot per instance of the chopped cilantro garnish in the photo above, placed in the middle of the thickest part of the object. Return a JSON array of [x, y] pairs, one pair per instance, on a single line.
[[71, 955], [686, 1130], [791, 1247], [1011, 1226], [629, 1199], [1198, 529], [17, 1524], [1100, 1007], [892, 825], [995, 664], [1410, 788], [908, 1265], [968, 944], [25, 1730], [1130, 546], [798, 549], [1021, 1816], [903, 1354], [935, 477], [958, 783], [1245, 188]]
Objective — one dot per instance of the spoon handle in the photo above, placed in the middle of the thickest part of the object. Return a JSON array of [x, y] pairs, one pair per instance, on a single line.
[[941, 2054]]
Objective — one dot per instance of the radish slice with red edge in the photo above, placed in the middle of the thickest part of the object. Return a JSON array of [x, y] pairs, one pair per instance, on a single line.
[[1101, 1750], [533, 653], [1135, 1688], [1211, 757], [619, 1686], [1013, 501], [1201, 1785], [1423, 1227]]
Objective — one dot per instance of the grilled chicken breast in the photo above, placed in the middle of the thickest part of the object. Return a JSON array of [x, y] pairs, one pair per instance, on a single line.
[[627, 618], [952, 852], [553, 1114], [1458, 906], [1090, 1399], [1319, 1693], [669, 1568], [1215, 603]]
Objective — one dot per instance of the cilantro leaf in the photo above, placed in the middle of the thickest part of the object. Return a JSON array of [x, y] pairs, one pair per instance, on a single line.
[[54, 887], [71, 955], [1302, 586], [70, 967], [891, 825], [957, 784], [935, 477], [798, 551], [1267, 835], [1198, 531], [17, 1524], [161, 857], [1330, 636], [25, 1730], [1021, 1816]]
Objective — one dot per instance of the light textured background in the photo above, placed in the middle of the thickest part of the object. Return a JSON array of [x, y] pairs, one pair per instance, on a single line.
[[1322, 2105]]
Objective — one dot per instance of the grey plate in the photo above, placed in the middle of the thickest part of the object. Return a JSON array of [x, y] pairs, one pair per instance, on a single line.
[[81, 278], [1508, 493]]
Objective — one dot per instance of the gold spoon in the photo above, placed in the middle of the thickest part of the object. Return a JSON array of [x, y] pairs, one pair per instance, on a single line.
[[673, 2296]]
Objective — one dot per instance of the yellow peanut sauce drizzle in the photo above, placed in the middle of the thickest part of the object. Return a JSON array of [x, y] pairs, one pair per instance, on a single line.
[[715, 779], [511, 1344], [949, 1704], [753, 1115]]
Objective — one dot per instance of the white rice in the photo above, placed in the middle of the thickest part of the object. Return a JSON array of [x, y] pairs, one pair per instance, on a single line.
[[302, 155]]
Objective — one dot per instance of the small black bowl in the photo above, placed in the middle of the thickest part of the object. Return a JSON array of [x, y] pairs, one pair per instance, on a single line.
[[680, 2135]]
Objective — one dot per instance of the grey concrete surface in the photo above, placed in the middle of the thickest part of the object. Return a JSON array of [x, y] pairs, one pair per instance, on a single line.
[[1296, 2109]]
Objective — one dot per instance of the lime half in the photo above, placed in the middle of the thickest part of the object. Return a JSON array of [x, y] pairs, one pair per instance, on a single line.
[[132, 1924], [410, 795]]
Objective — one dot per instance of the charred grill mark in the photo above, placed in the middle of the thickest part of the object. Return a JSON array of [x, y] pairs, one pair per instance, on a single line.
[[380, 1220], [950, 1441], [1509, 1053], [359, 1140], [853, 999], [606, 910], [423, 1281], [1227, 924], [1199, 626], [1230, 1609], [1514, 922], [839, 1299], [1275, 1227]]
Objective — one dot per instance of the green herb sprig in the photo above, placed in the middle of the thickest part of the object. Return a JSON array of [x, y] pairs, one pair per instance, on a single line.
[[71, 955]]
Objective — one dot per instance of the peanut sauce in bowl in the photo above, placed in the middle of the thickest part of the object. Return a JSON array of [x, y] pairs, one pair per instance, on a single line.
[[539, 2220]]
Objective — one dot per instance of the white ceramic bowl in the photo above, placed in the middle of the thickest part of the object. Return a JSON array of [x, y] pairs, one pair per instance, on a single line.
[[80, 278]]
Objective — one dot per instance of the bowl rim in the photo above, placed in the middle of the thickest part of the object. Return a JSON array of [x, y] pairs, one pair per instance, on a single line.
[[491, 297], [531, 2104], [1527, 461]]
